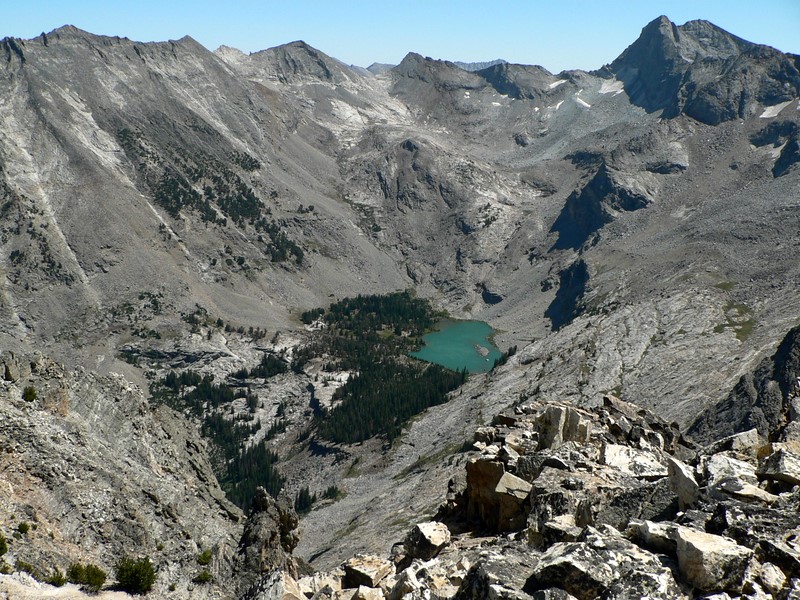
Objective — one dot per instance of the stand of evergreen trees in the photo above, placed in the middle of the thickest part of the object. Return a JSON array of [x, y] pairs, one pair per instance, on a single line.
[[382, 399], [372, 335], [239, 468]]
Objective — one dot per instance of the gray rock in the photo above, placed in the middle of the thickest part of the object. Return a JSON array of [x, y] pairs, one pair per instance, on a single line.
[[557, 425], [644, 464], [710, 562], [276, 585], [268, 538], [426, 540], [781, 465], [772, 578], [494, 497], [575, 567], [365, 570], [683, 482]]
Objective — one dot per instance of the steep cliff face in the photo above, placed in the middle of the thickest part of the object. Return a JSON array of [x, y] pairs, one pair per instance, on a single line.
[[764, 399], [97, 473]]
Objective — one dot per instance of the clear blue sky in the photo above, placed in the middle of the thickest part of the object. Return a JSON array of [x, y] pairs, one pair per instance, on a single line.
[[557, 34]]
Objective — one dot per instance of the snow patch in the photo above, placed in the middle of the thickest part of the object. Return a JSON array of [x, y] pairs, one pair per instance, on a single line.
[[555, 84], [536, 109], [583, 103], [613, 86], [559, 105], [496, 104], [774, 111]]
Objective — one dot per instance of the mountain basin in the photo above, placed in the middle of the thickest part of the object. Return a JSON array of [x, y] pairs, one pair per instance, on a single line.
[[459, 344]]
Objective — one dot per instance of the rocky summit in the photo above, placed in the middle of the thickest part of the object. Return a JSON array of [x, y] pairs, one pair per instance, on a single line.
[[215, 266]]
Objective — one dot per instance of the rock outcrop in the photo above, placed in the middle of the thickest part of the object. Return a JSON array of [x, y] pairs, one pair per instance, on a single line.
[[617, 505], [268, 539], [679, 69]]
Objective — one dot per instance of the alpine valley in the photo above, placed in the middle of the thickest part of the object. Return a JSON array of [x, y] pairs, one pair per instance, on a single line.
[[214, 267]]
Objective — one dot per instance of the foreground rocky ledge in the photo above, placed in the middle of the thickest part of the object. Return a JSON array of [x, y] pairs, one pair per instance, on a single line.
[[559, 502]]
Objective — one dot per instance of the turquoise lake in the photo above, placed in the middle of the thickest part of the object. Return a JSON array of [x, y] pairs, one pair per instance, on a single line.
[[459, 344]]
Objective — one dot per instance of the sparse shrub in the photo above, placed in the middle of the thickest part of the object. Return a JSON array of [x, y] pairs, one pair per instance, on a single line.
[[23, 528], [332, 492], [21, 565], [76, 573], [95, 577], [204, 558], [135, 576], [3, 545], [203, 577], [90, 577], [29, 393], [57, 578]]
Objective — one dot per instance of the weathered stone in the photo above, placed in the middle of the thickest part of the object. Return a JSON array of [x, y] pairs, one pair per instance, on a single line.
[[721, 466], [277, 585], [366, 570], [498, 575], [407, 583], [781, 465], [747, 442], [268, 538], [747, 492], [685, 486], [659, 537], [367, 593], [494, 497], [772, 578], [559, 424], [426, 540], [645, 464], [575, 567], [711, 562]]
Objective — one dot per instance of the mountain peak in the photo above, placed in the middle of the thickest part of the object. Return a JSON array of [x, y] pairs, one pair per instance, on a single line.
[[442, 74], [287, 63], [678, 69], [67, 30]]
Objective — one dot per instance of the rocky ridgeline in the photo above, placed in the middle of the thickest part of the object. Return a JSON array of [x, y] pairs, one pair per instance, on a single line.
[[612, 502]]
